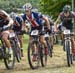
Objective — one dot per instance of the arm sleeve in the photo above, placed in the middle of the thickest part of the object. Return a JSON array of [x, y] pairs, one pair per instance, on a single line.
[[37, 15], [24, 17], [19, 20], [40, 15]]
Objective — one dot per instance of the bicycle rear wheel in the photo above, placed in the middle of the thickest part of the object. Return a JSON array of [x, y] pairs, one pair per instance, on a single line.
[[43, 57], [17, 52], [49, 48], [9, 64]]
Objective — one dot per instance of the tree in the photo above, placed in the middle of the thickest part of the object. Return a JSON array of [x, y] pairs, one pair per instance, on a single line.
[[14, 5], [53, 7]]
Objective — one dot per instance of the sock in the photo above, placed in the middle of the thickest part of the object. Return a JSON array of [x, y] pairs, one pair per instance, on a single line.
[[10, 49]]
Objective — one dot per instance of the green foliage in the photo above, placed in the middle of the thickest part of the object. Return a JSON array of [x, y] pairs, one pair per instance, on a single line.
[[53, 7], [11, 5], [14, 5]]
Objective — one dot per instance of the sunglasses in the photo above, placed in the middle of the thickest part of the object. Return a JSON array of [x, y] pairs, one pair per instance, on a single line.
[[26, 11]]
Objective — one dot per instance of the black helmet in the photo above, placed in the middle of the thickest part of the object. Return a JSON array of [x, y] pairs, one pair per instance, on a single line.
[[67, 8]]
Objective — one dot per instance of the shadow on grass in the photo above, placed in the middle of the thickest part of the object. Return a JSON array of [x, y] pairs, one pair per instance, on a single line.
[[15, 70]]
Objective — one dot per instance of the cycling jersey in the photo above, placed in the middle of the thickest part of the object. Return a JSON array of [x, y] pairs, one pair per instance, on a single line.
[[67, 20], [35, 19], [17, 23]]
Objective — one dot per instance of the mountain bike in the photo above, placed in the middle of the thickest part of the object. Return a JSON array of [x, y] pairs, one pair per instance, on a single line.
[[4, 54], [68, 46], [38, 51]]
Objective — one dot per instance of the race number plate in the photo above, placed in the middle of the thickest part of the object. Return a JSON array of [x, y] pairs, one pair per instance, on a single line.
[[46, 35], [12, 35], [34, 32], [66, 31]]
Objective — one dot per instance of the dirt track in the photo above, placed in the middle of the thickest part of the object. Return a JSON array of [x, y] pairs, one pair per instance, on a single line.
[[57, 64]]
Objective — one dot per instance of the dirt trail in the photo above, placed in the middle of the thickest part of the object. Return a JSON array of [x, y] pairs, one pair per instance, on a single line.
[[56, 64]]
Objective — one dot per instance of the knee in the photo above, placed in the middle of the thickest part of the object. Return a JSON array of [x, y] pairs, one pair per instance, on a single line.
[[42, 40], [4, 38]]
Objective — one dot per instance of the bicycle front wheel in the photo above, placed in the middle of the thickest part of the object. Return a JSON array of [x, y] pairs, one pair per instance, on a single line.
[[33, 64], [69, 53]]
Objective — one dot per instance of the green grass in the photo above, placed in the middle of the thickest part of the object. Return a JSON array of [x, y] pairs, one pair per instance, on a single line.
[[56, 64], [26, 36], [25, 42]]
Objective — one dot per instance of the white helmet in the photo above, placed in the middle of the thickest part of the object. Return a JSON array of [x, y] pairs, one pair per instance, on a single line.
[[13, 15], [27, 6]]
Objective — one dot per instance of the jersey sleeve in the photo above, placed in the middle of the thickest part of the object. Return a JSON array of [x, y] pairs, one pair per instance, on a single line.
[[37, 15], [60, 16], [24, 17], [40, 15], [19, 20]]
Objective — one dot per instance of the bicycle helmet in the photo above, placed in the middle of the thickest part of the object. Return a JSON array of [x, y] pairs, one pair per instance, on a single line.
[[27, 6], [13, 15], [67, 8]]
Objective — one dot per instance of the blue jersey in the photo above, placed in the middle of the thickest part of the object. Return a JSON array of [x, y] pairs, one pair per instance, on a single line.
[[35, 19], [18, 20], [17, 23]]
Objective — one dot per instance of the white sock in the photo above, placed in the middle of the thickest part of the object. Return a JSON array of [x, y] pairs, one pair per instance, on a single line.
[[10, 49]]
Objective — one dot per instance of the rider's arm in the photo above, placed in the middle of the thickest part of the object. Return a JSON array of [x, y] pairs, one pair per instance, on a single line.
[[56, 22], [47, 21], [10, 21], [24, 26], [73, 13], [8, 18], [23, 19]]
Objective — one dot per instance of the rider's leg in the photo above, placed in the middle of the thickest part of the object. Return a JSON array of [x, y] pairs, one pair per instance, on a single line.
[[34, 49], [51, 41], [73, 46], [42, 40], [7, 43], [5, 39], [21, 43]]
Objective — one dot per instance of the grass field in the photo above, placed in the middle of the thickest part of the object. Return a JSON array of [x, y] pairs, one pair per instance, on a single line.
[[56, 64]]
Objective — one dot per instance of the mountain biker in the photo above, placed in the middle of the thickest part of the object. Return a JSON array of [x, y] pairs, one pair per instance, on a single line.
[[36, 22], [5, 23], [51, 30], [66, 17], [18, 27]]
